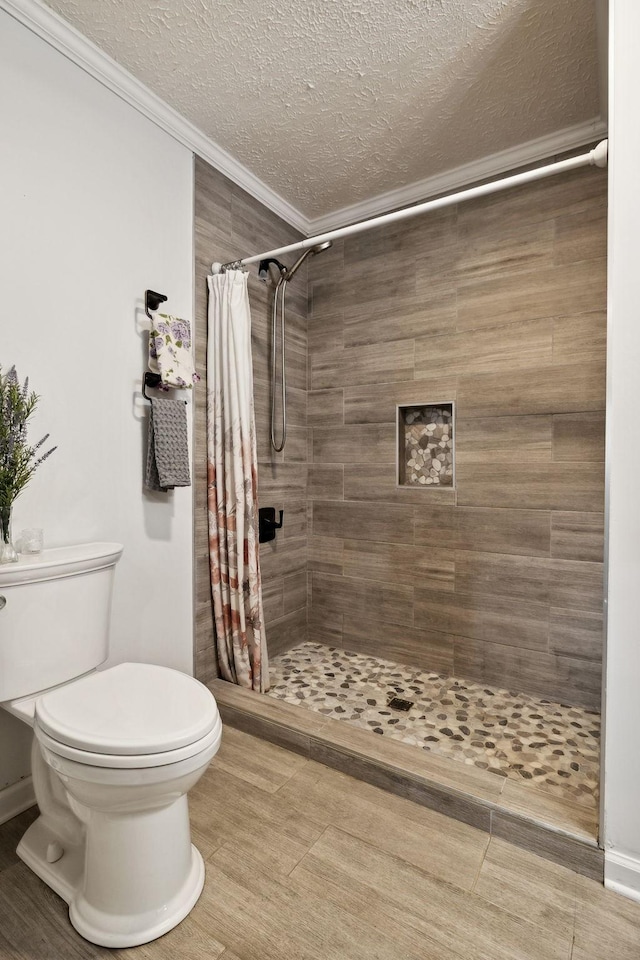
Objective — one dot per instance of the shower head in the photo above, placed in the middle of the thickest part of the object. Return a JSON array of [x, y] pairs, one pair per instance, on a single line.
[[319, 247], [267, 265]]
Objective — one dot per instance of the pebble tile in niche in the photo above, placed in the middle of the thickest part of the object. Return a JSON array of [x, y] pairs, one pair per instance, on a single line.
[[553, 746]]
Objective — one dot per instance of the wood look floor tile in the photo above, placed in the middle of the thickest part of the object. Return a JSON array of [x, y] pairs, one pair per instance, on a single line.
[[187, 941], [267, 846], [268, 769], [443, 848], [457, 920], [535, 890], [264, 917], [394, 935], [252, 913], [607, 924], [34, 921], [326, 866], [223, 804], [10, 835]]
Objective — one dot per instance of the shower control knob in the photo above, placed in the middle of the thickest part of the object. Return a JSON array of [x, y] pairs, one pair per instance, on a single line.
[[3, 602]]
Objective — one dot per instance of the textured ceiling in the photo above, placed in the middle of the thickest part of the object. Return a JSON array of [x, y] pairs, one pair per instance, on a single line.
[[330, 102]]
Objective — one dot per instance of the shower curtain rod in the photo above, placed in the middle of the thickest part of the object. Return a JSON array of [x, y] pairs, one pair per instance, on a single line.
[[596, 157]]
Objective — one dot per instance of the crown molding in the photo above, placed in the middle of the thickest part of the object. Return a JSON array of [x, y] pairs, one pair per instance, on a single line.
[[49, 26], [487, 168], [84, 53]]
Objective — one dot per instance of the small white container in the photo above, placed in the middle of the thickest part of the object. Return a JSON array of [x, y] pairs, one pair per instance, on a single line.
[[31, 540]]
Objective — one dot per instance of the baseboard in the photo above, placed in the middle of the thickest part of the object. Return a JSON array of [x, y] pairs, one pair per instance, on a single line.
[[622, 874], [16, 798]]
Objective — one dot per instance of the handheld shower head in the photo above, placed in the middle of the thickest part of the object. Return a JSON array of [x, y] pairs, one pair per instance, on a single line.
[[319, 247]]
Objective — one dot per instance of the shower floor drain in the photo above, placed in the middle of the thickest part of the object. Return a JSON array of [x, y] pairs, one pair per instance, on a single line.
[[397, 703]]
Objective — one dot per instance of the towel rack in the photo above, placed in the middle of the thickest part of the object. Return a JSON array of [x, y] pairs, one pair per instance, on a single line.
[[152, 380], [152, 301]]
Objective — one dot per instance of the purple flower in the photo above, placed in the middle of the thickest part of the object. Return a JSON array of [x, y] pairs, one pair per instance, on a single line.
[[181, 333]]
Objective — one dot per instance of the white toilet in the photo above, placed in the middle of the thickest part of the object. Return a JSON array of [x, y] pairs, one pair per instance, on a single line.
[[114, 754]]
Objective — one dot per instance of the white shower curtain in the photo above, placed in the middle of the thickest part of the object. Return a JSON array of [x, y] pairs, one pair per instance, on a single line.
[[232, 471]]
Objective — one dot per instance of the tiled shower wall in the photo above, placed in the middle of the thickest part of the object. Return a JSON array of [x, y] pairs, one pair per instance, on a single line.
[[230, 224], [498, 304]]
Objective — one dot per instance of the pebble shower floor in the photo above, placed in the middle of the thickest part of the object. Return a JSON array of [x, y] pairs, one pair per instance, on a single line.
[[553, 746]]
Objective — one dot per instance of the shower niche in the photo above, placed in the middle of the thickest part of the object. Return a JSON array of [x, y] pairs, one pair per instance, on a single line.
[[426, 445]]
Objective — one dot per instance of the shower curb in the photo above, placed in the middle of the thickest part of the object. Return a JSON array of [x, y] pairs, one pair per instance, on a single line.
[[396, 769]]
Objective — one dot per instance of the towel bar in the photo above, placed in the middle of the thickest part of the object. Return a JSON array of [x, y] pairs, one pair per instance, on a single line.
[[152, 380], [152, 301]]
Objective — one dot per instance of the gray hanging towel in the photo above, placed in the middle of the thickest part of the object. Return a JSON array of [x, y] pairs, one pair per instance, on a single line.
[[168, 451]]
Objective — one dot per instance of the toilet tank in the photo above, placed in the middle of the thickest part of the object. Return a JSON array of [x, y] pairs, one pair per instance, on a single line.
[[54, 616]]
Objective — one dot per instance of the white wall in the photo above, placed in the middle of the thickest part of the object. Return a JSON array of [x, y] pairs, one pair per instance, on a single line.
[[96, 206], [622, 743]]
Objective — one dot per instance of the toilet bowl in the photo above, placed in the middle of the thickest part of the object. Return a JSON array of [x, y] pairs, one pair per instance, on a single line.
[[114, 755]]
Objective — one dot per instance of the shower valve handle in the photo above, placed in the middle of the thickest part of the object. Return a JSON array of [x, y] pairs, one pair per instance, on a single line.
[[267, 524]]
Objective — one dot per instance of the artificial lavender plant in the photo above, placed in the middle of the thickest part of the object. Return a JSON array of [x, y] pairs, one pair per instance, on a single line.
[[18, 460]]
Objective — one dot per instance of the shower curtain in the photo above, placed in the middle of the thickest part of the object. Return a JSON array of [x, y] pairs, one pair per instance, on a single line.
[[232, 486]]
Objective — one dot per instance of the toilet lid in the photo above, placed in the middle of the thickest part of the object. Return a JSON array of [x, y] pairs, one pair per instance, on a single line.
[[134, 708]]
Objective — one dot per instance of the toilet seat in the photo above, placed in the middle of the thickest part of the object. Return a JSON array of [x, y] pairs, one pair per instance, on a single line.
[[131, 715], [129, 761]]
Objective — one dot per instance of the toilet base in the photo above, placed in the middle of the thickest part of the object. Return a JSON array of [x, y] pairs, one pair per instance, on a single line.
[[94, 926], [65, 875], [66, 878]]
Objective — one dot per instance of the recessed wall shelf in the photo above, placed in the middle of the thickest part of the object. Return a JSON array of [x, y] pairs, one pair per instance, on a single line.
[[426, 445]]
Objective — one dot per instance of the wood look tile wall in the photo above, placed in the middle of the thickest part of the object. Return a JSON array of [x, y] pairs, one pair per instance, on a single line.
[[500, 306], [230, 224]]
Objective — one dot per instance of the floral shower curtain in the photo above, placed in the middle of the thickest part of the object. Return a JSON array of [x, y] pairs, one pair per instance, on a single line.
[[232, 486]]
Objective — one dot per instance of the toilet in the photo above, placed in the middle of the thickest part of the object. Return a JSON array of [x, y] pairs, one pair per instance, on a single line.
[[114, 755]]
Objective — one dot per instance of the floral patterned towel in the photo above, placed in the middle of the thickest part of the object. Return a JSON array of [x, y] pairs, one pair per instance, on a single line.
[[170, 352]]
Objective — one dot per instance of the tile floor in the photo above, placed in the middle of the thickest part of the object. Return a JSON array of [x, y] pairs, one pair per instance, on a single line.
[[554, 747], [304, 863]]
